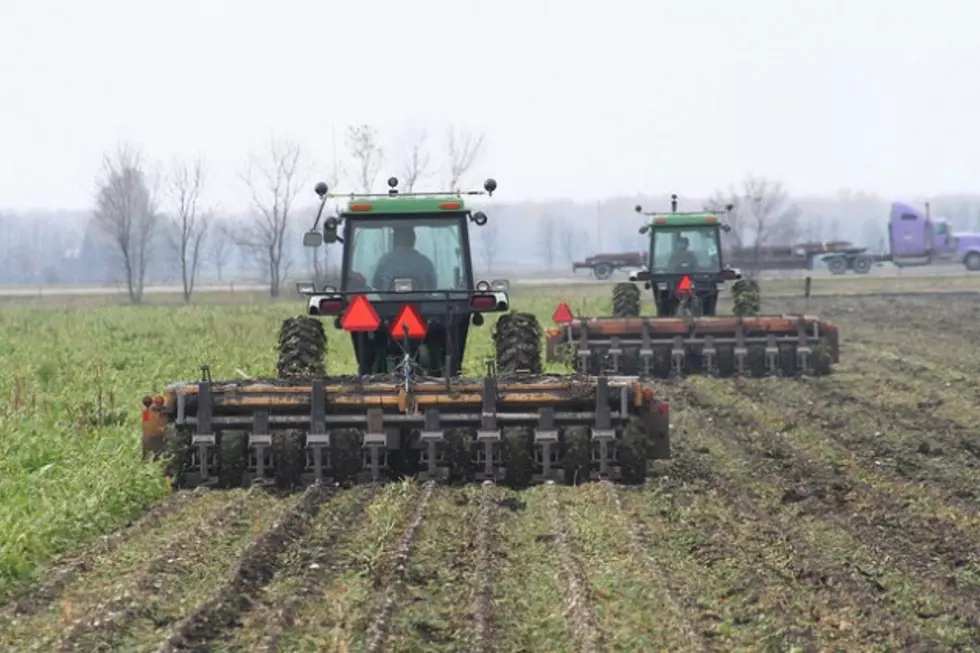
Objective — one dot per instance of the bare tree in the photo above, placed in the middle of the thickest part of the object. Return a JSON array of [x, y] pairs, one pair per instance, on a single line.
[[189, 223], [219, 246], [488, 238], [762, 214], [273, 181], [126, 212], [364, 148], [417, 160], [463, 149], [566, 240], [546, 240]]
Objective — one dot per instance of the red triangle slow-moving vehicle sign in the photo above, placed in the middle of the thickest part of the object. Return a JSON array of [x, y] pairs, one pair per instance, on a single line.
[[360, 316], [410, 318], [684, 285], [563, 314]]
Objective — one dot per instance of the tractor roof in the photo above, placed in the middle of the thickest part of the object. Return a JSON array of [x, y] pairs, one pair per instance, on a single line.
[[405, 204], [683, 219]]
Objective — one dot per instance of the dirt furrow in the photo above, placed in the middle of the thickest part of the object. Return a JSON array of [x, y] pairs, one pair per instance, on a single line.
[[320, 556], [634, 530], [911, 544], [784, 566], [50, 587], [254, 569], [482, 635], [577, 601], [112, 615], [379, 625]]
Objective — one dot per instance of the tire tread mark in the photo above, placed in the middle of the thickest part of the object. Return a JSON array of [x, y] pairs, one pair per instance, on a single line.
[[379, 625], [254, 569]]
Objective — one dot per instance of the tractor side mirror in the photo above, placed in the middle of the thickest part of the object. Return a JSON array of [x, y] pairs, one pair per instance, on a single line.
[[644, 229], [312, 239], [479, 218]]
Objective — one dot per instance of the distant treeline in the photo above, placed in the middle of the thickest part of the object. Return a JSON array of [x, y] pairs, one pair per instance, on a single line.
[[65, 247]]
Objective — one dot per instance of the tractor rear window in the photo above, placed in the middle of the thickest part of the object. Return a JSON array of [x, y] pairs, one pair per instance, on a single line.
[[390, 254], [685, 250]]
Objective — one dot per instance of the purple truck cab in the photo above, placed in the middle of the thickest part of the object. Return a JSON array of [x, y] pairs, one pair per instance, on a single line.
[[916, 239]]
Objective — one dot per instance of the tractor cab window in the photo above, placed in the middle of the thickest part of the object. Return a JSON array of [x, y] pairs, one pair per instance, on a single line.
[[941, 228], [405, 254], [686, 250]]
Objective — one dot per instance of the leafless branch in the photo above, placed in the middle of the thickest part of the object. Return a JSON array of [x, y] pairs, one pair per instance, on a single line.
[[417, 160], [126, 212], [463, 149], [273, 180], [546, 240], [762, 214], [365, 149], [488, 236], [189, 223]]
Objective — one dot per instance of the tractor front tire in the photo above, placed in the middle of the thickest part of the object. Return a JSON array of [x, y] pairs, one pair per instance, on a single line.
[[517, 341], [626, 300]]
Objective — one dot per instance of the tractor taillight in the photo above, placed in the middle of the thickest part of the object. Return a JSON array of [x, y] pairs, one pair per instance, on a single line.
[[331, 306], [664, 409], [158, 401], [483, 302]]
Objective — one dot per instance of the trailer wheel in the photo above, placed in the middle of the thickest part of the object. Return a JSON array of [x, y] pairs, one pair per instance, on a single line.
[[862, 264], [602, 271], [837, 265], [972, 261]]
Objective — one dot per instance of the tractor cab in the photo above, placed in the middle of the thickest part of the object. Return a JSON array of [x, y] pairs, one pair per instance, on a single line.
[[407, 290], [685, 261]]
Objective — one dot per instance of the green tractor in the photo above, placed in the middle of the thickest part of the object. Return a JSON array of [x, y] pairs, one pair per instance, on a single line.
[[686, 273], [409, 299]]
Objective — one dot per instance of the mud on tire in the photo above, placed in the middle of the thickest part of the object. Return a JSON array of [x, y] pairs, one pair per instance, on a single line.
[[302, 354], [517, 341], [302, 347], [626, 300], [746, 298]]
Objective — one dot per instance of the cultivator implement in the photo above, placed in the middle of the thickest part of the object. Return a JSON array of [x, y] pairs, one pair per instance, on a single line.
[[783, 345], [518, 428]]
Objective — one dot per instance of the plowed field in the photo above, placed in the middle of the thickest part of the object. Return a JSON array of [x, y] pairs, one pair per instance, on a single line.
[[837, 513]]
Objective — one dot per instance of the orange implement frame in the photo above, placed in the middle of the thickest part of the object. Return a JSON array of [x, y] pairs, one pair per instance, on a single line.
[[679, 338]]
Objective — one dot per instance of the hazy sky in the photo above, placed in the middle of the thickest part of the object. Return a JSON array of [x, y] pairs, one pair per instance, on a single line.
[[576, 97]]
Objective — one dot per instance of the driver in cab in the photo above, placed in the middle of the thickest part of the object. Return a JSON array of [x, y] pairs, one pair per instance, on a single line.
[[682, 258], [404, 261]]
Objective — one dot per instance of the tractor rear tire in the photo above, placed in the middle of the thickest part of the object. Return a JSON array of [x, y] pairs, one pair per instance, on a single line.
[[517, 341], [302, 348], [626, 300], [746, 298], [302, 354]]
